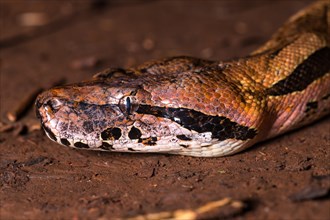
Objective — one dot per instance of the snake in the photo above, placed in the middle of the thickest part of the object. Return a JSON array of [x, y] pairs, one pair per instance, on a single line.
[[197, 107]]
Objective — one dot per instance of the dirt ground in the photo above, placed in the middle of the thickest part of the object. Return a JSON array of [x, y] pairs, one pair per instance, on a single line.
[[284, 178]]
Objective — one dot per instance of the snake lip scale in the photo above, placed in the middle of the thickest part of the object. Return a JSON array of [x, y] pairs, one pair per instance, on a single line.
[[189, 106]]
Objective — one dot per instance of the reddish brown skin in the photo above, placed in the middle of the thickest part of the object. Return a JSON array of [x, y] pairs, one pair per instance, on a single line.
[[236, 90]]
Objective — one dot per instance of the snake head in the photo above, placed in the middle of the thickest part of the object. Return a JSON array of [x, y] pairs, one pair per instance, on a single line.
[[101, 115], [85, 115]]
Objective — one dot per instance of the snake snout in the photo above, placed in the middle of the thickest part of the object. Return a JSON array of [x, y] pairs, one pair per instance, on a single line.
[[47, 106]]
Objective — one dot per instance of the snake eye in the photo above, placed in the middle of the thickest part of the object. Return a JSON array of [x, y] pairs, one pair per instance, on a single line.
[[128, 105]]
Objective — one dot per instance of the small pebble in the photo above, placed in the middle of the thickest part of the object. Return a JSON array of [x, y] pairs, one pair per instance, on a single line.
[[241, 27], [85, 63], [207, 53], [148, 44], [30, 19]]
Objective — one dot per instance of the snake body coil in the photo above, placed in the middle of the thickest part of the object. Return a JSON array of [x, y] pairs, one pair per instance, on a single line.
[[195, 107]]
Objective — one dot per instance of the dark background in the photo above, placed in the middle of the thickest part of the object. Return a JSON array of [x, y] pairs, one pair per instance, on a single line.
[[75, 39]]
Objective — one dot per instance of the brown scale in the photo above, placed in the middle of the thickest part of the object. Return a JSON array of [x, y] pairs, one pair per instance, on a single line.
[[252, 98]]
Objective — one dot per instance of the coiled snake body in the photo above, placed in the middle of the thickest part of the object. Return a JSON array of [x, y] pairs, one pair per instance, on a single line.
[[195, 107]]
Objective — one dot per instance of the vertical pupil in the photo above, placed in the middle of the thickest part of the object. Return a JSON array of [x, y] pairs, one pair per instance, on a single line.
[[128, 105]]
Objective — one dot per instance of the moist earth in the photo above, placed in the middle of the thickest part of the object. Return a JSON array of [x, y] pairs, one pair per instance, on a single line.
[[43, 42]]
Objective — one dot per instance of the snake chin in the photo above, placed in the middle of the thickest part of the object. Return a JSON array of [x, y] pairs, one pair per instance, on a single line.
[[171, 145]]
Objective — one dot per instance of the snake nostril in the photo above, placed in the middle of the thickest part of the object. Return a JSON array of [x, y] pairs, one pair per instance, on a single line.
[[53, 104]]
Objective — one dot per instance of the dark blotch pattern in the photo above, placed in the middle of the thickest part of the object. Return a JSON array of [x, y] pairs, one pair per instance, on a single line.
[[130, 149], [134, 133], [184, 146], [183, 137], [314, 67], [205, 146], [220, 127], [106, 146], [311, 106], [326, 97], [80, 145], [148, 141], [111, 134], [50, 133], [65, 142]]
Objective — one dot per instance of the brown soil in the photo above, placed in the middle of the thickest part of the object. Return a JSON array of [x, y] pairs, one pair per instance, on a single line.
[[284, 178]]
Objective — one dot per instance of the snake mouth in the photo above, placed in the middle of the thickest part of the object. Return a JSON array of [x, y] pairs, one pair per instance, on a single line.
[[46, 109]]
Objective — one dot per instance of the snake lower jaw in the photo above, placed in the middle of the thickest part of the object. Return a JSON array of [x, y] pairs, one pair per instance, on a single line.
[[191, 148]]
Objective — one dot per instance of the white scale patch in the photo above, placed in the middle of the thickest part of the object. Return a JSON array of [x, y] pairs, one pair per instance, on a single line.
[[201, 144]]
